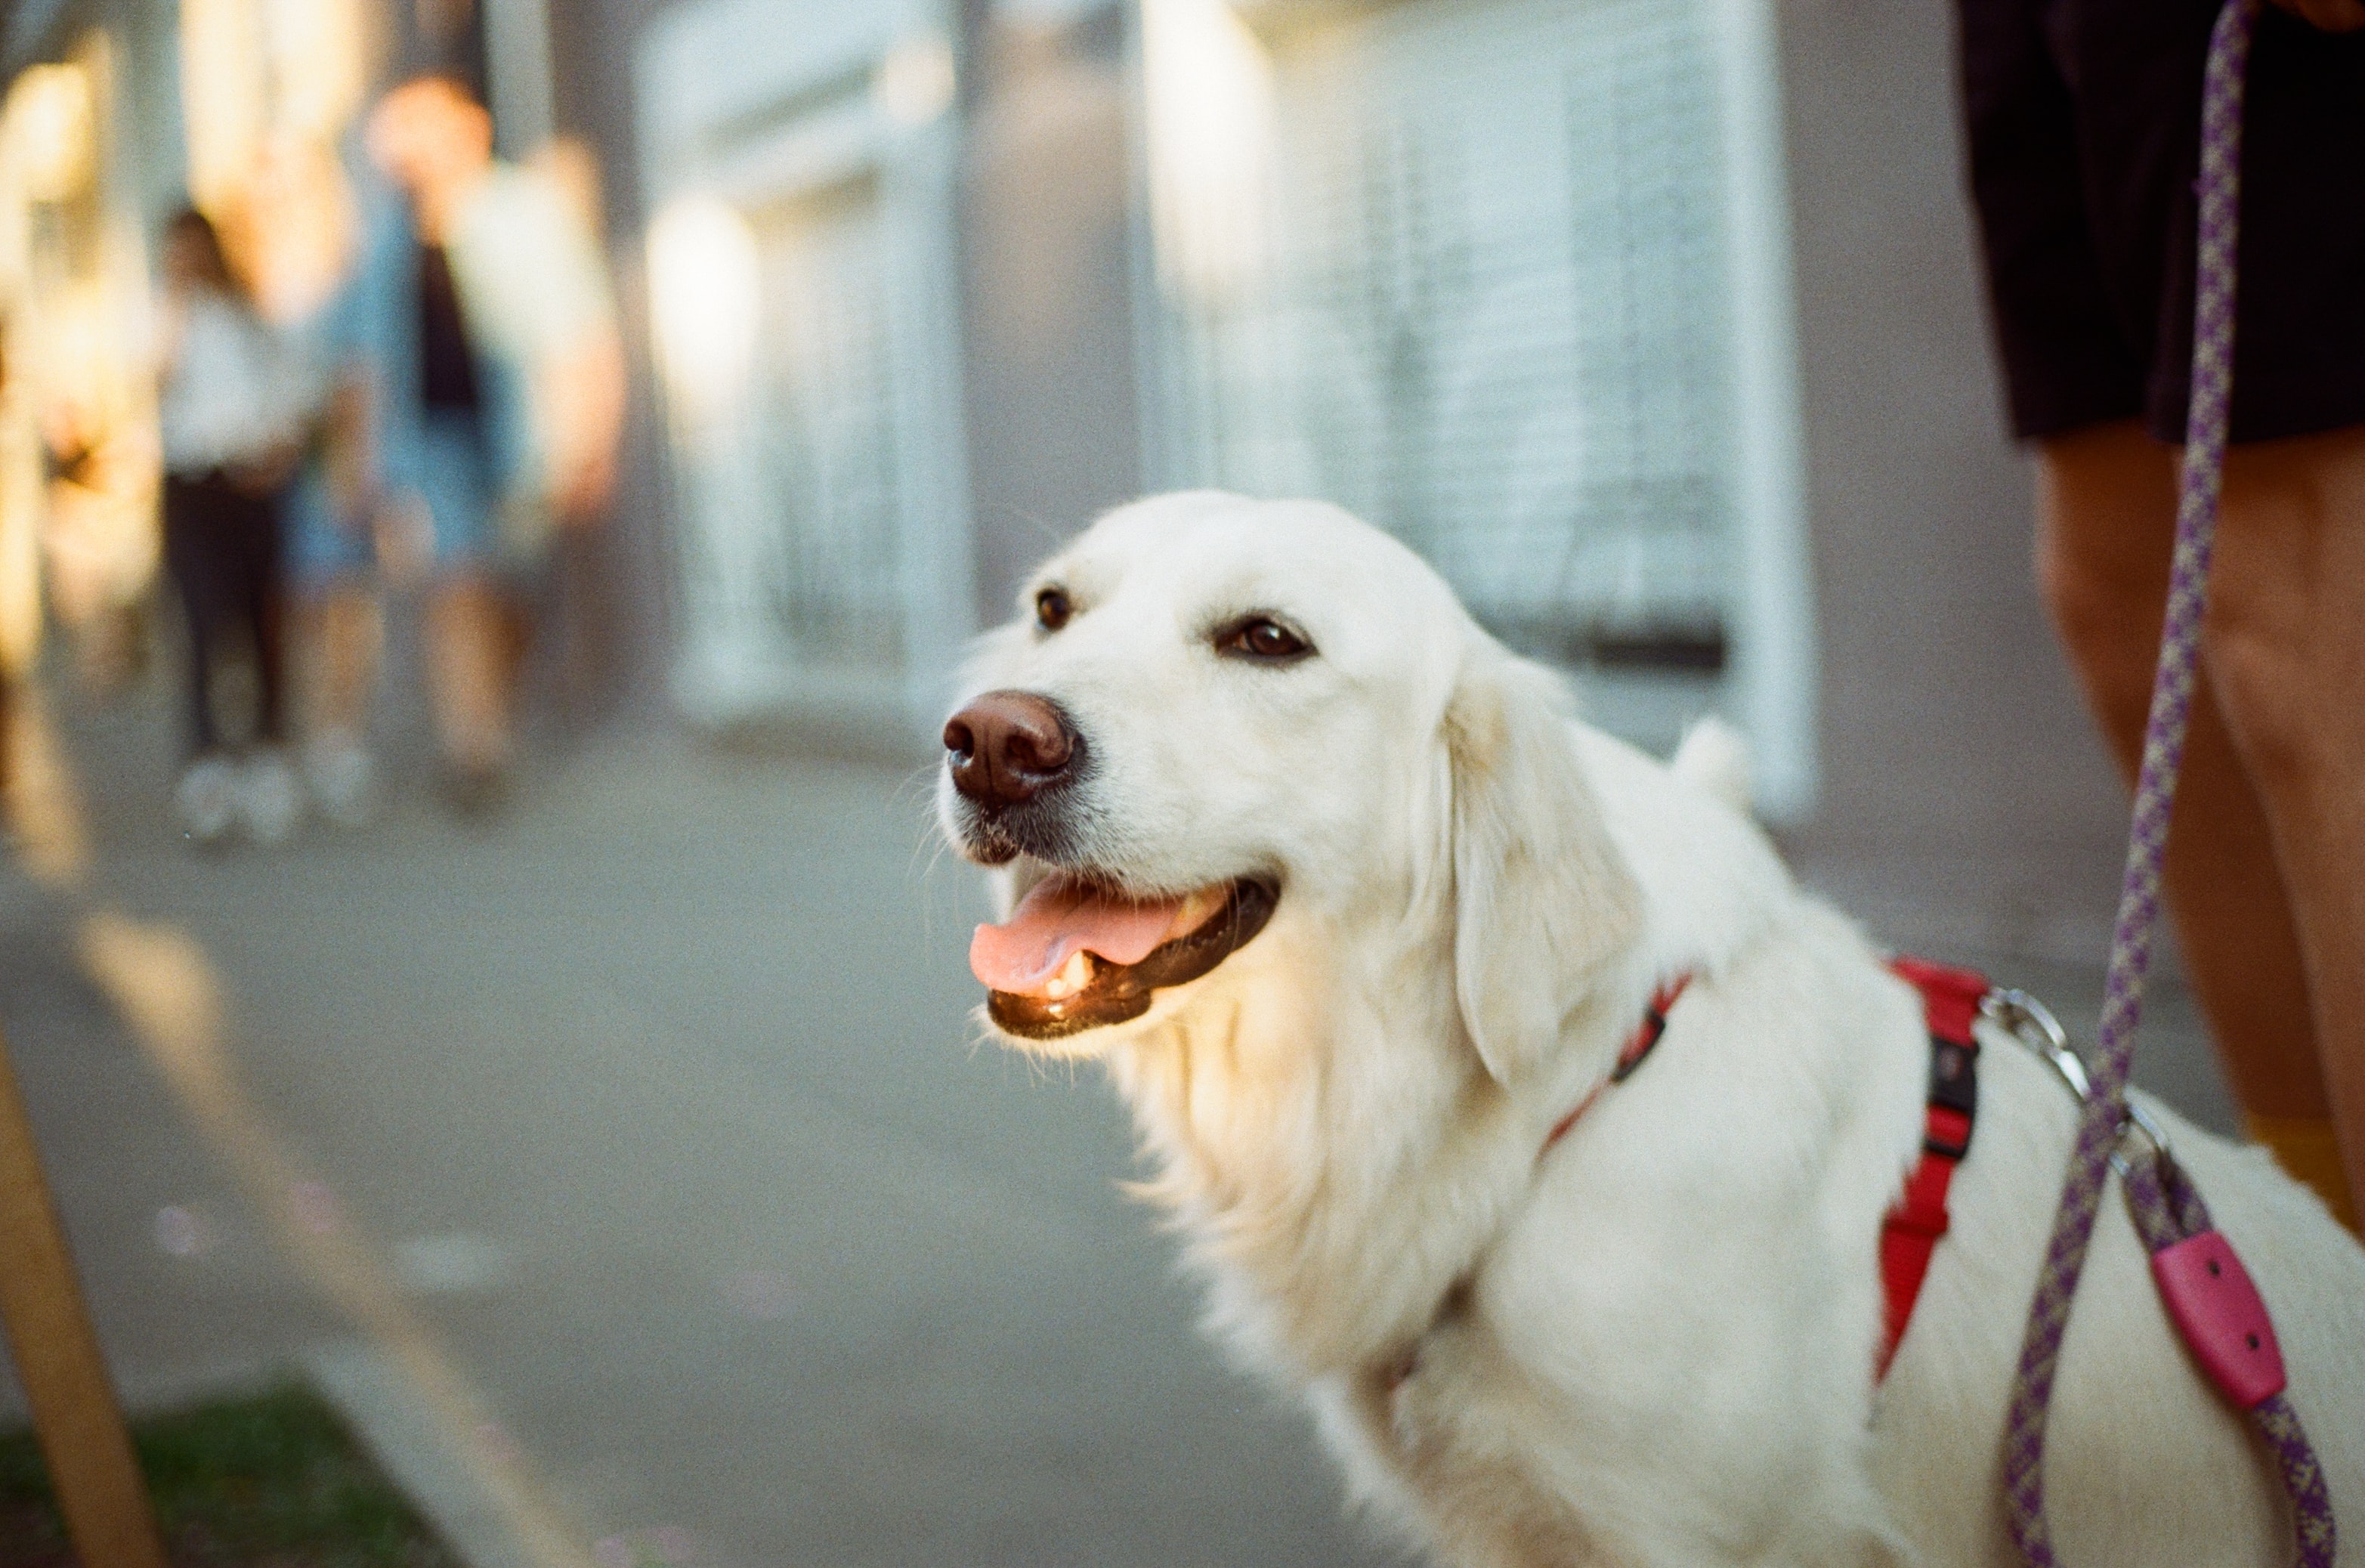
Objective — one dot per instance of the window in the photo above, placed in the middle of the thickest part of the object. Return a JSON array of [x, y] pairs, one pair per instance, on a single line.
[[1508, 279], [803, 284]]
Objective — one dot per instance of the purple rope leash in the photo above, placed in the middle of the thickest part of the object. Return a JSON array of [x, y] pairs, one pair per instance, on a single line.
[[2166, 1207]]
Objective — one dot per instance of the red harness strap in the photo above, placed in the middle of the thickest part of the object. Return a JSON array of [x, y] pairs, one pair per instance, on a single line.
[[1630, 1056], [1950, 1000]]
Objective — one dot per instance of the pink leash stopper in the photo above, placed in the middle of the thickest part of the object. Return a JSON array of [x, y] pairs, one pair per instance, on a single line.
[[2221, 1315]]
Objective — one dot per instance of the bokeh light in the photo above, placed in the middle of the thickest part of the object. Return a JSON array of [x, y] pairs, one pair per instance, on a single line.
[[705, 291]]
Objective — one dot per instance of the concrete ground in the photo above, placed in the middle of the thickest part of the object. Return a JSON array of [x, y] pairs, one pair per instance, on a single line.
[[645, 1137]]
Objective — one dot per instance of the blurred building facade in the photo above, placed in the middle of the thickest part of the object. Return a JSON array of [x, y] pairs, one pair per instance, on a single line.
[[1654, 326], [1657, 325], [1509, 278]]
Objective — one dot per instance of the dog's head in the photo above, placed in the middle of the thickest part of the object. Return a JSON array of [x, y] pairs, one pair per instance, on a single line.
[[1215, 713]]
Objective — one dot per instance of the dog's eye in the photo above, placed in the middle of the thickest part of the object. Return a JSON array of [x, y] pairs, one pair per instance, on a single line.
[[1263, 639], [1052, 609]]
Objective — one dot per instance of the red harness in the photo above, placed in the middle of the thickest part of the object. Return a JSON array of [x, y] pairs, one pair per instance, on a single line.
[[1950, 1000], [1629, 1057]]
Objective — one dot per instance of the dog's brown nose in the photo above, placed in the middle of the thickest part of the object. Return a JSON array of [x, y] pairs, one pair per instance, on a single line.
[[1007, 746]]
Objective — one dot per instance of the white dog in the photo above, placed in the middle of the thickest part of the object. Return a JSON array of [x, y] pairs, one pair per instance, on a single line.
[[1356, 915]]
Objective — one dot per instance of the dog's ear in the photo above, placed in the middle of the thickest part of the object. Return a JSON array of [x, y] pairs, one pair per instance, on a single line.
[[1541, 897]]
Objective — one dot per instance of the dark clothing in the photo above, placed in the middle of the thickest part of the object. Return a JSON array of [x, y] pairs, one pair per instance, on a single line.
[[221, 545], [2084, 121], [447, 365]]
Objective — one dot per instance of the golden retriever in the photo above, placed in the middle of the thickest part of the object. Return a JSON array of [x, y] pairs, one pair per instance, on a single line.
[[1355, 913]]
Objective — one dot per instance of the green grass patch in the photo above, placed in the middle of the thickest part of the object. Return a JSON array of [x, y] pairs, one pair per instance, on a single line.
[[271, 1480]]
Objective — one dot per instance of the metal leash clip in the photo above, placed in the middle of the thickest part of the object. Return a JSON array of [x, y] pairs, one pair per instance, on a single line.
[[2032, 1023], [2143, 1121]]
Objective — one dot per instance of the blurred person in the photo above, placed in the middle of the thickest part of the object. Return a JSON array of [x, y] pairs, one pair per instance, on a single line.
[[300, 229], [2084, 134], [337, 616], [230, 413], [490, 397]]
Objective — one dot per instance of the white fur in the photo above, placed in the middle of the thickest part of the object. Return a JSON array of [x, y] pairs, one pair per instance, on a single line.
[[1714, 756], [1654, 1344]]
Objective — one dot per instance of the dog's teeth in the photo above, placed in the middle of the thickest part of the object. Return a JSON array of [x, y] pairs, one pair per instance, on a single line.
[[1196, 910], [1073, 976]]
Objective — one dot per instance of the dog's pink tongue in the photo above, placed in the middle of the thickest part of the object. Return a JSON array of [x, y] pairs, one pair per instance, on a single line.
[[1058, 919]]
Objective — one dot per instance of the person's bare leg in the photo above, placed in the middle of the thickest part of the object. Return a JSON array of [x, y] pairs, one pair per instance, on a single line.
[[2106, 519], [342, 633], [2285, 644], [340, 637], [468, 664]]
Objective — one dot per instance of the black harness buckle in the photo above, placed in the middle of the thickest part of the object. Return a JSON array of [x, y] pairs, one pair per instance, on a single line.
[[1954, 1086]]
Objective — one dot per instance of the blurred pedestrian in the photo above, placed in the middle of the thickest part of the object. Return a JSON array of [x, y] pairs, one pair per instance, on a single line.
[[492, 380], [231, 412], [334, 559], [2083, 119]]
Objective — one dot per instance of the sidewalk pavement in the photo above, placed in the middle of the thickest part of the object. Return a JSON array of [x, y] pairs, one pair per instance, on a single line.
[[646, 1129], [645, 1137]]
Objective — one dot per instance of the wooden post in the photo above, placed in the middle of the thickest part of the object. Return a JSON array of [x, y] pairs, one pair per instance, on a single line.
[[97, 1480]]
